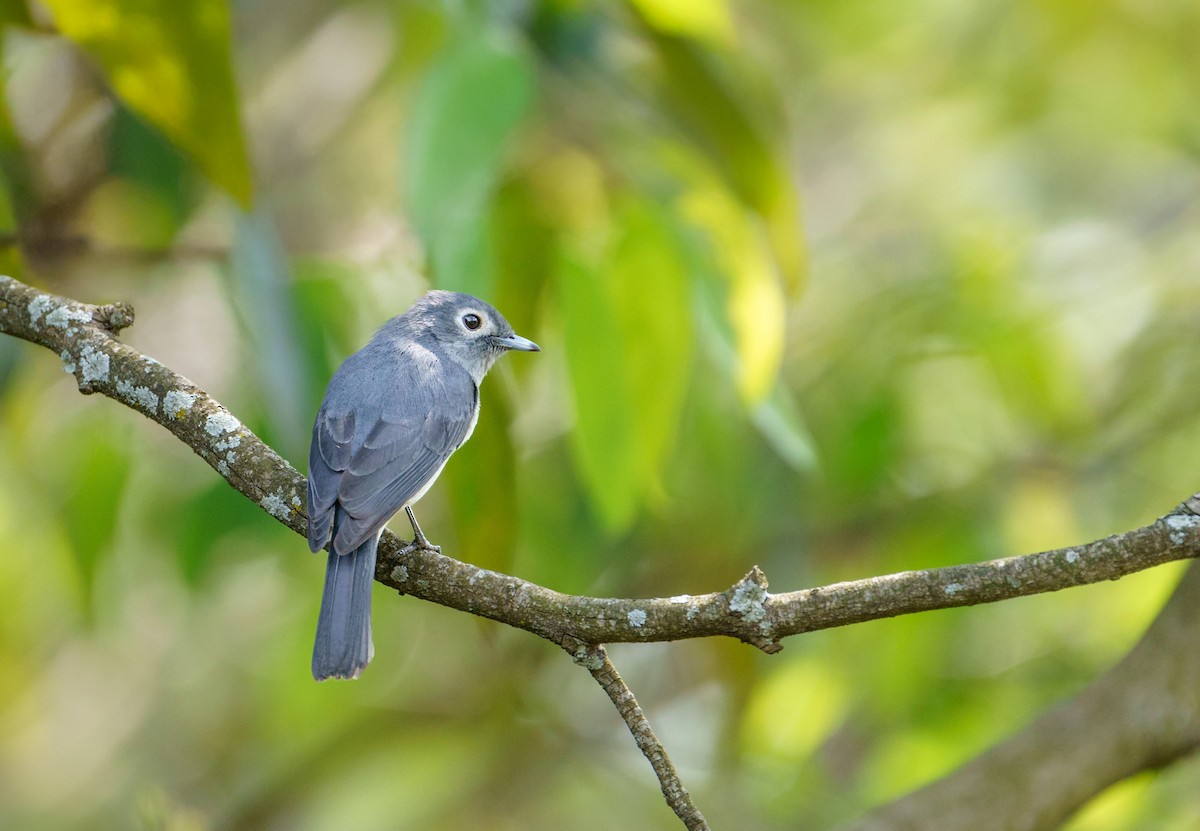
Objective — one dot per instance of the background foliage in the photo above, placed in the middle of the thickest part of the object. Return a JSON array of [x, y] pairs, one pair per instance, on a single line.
[[976, 338]]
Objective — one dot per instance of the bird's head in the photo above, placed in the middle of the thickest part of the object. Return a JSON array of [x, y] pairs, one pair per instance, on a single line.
[[471, 332]]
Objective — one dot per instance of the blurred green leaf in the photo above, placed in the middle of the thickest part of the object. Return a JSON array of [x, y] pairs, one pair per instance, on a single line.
[[524, 246], [603, 438], [723, 122], [628, 323], [471, 101], [654, 310], [701, 95], [704, 20], [865, 446], [100, 468], [15, 12], [142, 154], [482, 488], [556, 515], [201, 533], [751, 300], [325, 325], [170, 61], [794, 708], [132, 214]]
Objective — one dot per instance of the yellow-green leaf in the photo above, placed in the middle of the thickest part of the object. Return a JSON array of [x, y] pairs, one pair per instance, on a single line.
[[627, 314], [725, 122], [703, 20], [604, 409], [754, 298], [648, 283], [169, 60]]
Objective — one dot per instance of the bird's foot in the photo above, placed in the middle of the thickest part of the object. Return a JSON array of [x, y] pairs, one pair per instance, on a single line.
[[428, 546], [420, 543], [419, 539]]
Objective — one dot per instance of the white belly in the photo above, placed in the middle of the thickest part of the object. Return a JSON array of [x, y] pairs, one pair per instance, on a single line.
[[424, 487], [438, 472]]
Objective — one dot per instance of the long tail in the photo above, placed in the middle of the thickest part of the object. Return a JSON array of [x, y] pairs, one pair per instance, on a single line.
[[343, 647]]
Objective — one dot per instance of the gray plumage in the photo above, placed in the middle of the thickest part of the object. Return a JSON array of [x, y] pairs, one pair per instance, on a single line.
[[393, 414]]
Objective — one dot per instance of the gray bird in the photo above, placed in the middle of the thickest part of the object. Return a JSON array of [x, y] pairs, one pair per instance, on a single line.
[[393, 414]]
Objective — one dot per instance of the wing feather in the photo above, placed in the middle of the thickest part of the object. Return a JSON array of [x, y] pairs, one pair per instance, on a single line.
[[376, 446]]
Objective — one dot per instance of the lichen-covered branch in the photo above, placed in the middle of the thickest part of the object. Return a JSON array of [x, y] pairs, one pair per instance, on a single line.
[[84, 338], [748, 612], [596, 661]]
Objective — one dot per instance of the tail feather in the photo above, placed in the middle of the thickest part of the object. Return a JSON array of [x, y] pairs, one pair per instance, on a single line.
[[343, 647]]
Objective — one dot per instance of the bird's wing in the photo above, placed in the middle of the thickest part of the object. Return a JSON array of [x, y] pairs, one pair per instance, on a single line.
[[373, 461], [328, 457]]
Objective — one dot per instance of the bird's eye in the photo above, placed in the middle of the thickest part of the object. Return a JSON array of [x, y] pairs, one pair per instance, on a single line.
[[472, 321]]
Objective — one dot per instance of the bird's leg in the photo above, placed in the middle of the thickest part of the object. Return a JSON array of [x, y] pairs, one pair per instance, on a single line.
[[419, 540]]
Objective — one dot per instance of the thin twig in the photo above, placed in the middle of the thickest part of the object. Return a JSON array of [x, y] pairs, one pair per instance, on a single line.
[[595, 660]]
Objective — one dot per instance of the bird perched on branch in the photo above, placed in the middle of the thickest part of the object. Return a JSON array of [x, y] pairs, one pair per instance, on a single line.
[[393, 413]]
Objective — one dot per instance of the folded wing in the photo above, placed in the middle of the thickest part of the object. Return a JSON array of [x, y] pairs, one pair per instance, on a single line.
[[376, 456]]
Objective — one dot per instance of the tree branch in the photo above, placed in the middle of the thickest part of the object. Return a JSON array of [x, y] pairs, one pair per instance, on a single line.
[[83, 336], [1143, 713]]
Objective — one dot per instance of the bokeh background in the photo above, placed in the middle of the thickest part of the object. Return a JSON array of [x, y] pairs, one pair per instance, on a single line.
[[838, 288]]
